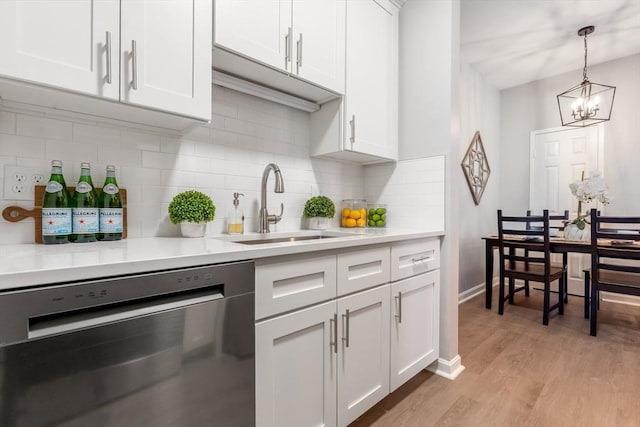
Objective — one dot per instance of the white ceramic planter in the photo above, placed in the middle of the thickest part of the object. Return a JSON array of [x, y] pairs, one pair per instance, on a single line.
[[193, 229], [318, 223]]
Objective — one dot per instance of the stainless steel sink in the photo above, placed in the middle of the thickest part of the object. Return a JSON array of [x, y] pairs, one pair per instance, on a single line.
[[284, 239]]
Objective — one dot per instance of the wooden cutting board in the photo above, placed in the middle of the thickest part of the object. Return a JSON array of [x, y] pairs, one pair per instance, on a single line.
[[16, 213]]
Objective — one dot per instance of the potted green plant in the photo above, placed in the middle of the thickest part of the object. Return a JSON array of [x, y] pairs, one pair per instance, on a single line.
[[319, 210], [192, 210]]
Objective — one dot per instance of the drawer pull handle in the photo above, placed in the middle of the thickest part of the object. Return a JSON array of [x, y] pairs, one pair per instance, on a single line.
[[421, 259], [399, 315], [134, 65], [108, 47], [333, 322], [345, 319]]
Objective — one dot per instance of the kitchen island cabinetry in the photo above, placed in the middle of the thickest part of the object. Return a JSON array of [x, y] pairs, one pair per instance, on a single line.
[[301, 38], [119, 50], [363, 126], [330, 359]]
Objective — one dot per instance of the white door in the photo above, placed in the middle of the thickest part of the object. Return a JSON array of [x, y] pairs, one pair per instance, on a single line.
[[319, 42], [258, 29], [558, 157], [414, 326], [296, 369], [63, 44], [371, 87], [363, 353], [166, 55]]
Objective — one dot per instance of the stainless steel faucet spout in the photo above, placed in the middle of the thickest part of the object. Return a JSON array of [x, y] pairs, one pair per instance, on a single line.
[[263, 216]]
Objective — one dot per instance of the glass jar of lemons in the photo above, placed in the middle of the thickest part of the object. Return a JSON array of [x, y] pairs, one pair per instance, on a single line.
[[354, 213]]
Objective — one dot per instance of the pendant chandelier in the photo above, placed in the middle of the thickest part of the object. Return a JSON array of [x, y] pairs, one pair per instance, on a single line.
[[587, 103]]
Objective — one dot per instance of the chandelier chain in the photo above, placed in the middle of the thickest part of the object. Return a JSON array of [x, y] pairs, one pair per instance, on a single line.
[[584, 70]]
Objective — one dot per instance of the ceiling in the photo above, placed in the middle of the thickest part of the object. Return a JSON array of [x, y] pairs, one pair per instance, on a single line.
[[512, 42]]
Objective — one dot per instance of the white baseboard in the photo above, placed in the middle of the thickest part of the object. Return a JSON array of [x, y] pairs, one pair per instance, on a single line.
[[620, 298], [449, 369], [470, 293]]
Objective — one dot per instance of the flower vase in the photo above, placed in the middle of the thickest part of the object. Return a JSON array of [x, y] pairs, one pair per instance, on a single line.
[[318, 223], [193, 229], [572, 232]]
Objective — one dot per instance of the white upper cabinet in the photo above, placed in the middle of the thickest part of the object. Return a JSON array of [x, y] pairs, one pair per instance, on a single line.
[[303, 38], [371, 101], [255, 28], [67, 44], [318, 42], [87, 47], [166, 56], [363, 126]]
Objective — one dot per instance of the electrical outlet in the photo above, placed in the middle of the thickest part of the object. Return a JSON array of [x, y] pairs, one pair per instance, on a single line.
[[19, 181]]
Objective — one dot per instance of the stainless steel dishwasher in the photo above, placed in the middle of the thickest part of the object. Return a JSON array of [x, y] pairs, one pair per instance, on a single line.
[[171, 348]]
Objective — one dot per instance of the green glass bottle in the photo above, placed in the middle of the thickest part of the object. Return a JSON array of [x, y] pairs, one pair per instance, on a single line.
[[110, 204], [85, 208], [56, 208]]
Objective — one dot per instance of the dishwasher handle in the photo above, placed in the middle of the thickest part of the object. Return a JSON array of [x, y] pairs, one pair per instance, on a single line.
[[40, 327]]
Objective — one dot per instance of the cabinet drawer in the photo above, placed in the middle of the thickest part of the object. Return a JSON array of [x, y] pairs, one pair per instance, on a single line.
[[290, 282], [415, 257], [362, 269]]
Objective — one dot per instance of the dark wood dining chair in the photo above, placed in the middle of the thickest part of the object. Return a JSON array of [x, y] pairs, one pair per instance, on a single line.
[[615, 259], [556, 222], [525, 255]]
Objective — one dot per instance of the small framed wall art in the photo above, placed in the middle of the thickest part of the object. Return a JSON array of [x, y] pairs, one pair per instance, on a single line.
[[475, 166]]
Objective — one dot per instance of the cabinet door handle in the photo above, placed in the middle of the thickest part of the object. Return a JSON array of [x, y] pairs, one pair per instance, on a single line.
[[399, 315], [108, 47], [352, 122], [287, 48], [345, 320], [421, 259], [134, 65], [299, 54], [333, 322]]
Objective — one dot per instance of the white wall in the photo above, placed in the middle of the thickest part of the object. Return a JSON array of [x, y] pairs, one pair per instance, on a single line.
[[479, 111], [533, 106], [245, 134], [429, 125]]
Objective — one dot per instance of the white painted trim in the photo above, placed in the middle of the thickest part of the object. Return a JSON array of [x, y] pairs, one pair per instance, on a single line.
[[449, 369], [471, 293], [620, 298]]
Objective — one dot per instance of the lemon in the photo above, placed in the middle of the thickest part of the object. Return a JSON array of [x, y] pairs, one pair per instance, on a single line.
[[355, 214], [346, 212], [360, 222], [349, 222]]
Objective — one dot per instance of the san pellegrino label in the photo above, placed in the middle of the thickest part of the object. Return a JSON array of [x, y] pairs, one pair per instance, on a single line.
[[83, 187], [53, 187], [111, 220], [110, 189], [85, 220], [56, 221]]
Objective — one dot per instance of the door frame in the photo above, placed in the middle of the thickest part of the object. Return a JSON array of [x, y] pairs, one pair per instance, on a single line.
[[532, 146]]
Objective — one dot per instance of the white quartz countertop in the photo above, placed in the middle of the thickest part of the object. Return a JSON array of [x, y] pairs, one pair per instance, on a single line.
[[26, 265]]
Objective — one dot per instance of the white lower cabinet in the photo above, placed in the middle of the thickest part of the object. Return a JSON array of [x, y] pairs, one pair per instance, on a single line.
[[296, 369], [414, 326], [327, 364], [301, 374], [363, 352]]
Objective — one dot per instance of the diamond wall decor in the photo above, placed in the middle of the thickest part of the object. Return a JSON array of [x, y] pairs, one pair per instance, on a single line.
[[475, 166]]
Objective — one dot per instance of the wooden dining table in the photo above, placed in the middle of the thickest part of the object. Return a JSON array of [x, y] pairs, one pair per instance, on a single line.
[[556, 245]]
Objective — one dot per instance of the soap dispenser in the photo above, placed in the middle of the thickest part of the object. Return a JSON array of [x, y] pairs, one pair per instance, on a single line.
[[235, 220]]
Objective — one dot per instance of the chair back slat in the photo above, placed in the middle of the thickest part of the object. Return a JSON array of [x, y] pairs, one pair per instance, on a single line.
[[614, 260], [526, 244], [559, 221]]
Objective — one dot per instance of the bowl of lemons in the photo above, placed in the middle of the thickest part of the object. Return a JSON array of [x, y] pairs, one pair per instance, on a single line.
[[354, 213]]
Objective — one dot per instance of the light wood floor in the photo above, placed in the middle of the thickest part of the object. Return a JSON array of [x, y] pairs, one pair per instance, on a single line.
[[521, 373]]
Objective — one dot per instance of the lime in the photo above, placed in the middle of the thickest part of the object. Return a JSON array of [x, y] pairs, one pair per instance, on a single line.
[[375, 217], [381, 211], [380, 223], [371, 212], [383, 217], [372, 223]]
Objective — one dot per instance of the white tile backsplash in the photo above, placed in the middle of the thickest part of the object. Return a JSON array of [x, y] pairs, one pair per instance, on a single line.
[[227, 155]]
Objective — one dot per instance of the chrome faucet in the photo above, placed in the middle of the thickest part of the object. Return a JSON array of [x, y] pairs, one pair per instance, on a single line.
[[264, 218]]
